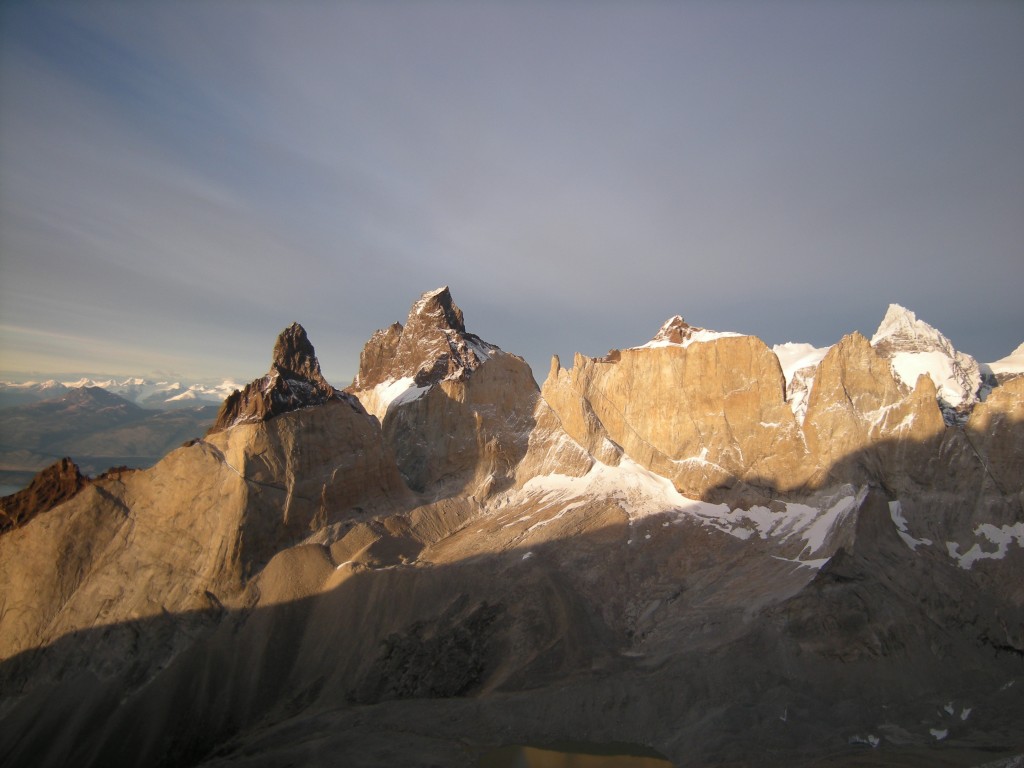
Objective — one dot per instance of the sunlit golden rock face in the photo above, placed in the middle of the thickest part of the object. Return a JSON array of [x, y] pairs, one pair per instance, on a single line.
[[996, 426], [708, 415]]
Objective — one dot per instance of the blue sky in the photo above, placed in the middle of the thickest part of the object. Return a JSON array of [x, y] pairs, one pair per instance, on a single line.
[[181, 180]]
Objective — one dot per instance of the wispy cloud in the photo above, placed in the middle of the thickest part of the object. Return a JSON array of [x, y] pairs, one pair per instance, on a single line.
[[189, 178]]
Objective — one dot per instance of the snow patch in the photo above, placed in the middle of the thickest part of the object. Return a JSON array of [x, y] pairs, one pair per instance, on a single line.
[[641, 493], [896, 513], [799, 364], [870, 740], [815, 564], [795, 356], [819, 530], [942, 370], [1002, 536], [394, 392], [701, 336], [1012, 363], [938, 733], [481, 349]]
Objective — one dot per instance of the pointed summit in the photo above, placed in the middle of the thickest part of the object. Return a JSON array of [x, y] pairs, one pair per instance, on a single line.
[[431, 346], [437, 309], [913, 347], [294, 381], [295, 357], [675, 330], [50, 487], [901, 324]]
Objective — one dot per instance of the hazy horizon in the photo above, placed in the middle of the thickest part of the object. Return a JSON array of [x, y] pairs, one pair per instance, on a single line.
[[179, 182], [539, 367]]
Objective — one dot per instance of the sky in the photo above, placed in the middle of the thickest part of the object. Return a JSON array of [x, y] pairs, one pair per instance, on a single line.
[[181, 180]]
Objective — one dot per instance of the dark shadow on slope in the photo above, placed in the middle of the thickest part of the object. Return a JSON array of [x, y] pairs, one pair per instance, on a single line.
[[434, 663], [957, 463]]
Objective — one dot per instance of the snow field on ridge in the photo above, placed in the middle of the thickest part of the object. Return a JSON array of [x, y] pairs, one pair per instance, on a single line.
[[642, 493]]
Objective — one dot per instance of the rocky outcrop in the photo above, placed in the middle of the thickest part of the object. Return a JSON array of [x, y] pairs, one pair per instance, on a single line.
[[431, 346], [455, 410], [52, 486], [293, 382], [995, 430], [858, 410]]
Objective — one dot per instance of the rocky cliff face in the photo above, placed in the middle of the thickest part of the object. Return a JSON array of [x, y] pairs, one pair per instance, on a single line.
[[656, 547], [710, 415], [455, 409]]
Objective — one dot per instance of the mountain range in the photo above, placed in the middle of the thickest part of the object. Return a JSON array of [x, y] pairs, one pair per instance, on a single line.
[[94, 426], [699, 547], [161, 395]]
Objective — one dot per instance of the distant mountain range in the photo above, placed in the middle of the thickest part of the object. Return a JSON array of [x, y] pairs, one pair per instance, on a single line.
[[93, 425], [143, 392]]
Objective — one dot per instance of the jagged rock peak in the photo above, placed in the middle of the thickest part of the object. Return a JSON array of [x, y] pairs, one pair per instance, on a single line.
[[437, 308], [294, 381], [295, 357], [431, 346], [913, 347], [900, 326]]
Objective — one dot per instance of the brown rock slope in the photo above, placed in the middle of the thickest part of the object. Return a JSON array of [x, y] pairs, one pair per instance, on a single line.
[[189, 533], [651, 550]]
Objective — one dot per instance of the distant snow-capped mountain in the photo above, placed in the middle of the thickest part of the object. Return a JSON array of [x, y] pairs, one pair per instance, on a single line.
[[143, 392]]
